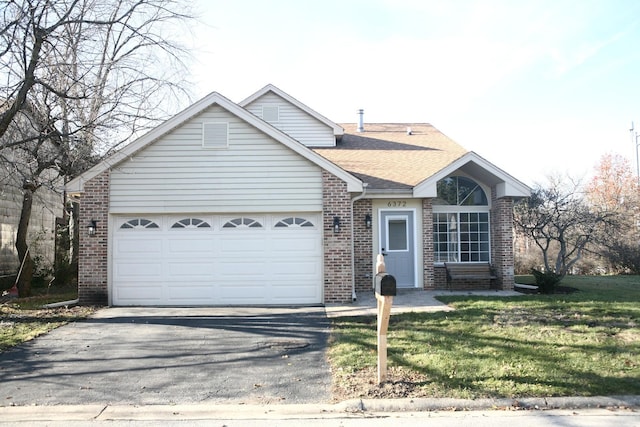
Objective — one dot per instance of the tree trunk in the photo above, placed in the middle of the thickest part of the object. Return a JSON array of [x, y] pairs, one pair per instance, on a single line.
[[24, 280]]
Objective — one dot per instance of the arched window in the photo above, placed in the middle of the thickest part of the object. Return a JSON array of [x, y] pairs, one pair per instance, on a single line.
[[139, 223], [242, 222], [294, 222], [191, 223], [461, 221], [460, 191]]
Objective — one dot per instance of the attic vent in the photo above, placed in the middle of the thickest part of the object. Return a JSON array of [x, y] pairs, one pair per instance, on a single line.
[[271, 113], [215, 135]]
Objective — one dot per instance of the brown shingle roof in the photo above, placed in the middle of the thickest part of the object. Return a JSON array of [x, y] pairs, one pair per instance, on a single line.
[[387, 158]]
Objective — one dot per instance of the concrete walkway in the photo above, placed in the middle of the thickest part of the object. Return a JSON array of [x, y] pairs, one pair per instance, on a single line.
[[407, 300]]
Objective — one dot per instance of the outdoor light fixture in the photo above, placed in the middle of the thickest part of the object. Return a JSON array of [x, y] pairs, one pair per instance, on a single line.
[[336, 224], [367, 221], [92, 227]]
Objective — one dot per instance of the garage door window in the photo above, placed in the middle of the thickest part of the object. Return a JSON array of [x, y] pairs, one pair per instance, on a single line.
[[294, 222], [191, 223], [242, 222], [139, 223]]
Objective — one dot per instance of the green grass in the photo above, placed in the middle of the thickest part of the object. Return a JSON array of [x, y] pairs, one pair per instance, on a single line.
[[23, 319], [585, 343]]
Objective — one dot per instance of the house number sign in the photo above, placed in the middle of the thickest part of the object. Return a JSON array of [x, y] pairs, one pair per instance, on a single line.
[[397, 204]]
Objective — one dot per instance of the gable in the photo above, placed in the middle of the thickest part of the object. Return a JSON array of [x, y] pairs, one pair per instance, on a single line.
[[480, 169], [76, 185], [292, 117], [251, 173]]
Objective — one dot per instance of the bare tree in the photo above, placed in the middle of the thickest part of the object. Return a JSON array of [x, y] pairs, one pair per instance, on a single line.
[[562, 224], [80, 78]]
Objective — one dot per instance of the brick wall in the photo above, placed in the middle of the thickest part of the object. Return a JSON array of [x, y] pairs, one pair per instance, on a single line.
[[502, 240], [440, 277], [363, 245], [92, 264], [337, 246], [429, 277]]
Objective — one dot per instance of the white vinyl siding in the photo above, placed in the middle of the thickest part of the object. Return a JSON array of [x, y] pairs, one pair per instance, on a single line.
[[295, 122], [255, 173]]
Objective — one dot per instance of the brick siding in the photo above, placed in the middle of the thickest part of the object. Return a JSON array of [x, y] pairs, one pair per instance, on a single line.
[[502, 256], [429, 275], [363, 245], [338, 277], [92, 261], [338, 262], [440, 277]]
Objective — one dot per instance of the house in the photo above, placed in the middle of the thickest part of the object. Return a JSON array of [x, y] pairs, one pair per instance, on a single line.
[[268, 202]]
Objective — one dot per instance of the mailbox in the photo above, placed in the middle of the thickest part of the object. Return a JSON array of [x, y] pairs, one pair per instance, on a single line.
[[385, 284]]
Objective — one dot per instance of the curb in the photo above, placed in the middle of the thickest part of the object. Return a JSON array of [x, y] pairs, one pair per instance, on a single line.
[[537, 403], [97, 412]]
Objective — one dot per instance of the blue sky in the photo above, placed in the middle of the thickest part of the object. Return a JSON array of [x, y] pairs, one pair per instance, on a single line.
[[536, 87]]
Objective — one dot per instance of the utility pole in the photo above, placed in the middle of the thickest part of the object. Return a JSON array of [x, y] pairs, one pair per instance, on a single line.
[[634, 139]]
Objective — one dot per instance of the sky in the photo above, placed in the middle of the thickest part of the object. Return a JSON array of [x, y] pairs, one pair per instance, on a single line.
[[536, 87]]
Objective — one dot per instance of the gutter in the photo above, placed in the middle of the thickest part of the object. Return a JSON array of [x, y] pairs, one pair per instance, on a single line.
[[70, 303], [353, 249]]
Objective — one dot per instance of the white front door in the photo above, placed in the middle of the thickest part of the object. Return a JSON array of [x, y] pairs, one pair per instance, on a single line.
[[397, 244]]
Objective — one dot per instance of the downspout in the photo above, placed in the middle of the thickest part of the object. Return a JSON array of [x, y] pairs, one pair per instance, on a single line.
[[353, 249]]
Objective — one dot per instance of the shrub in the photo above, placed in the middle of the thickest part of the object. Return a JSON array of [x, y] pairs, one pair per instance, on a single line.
[[547, 281], [625, 257]]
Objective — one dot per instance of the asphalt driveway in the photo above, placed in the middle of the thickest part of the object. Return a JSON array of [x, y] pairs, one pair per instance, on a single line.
[[174, 355]]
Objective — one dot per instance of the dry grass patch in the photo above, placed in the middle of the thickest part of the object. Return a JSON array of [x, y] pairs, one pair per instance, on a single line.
[[585, 343], [22, 319]]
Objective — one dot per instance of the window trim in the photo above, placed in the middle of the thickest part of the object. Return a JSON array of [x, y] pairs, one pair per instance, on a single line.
[[203, 224], [229, 224], [213, 138], [458, 210], [281, 223], [150, 225], [272, 109], [407, 239], [483, 187]]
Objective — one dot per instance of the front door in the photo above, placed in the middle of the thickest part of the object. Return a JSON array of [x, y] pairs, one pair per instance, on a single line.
[[397, 244]]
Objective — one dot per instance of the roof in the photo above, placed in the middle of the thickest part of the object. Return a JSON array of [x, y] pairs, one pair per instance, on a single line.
[[77, 184], [387, 157], [411, 158]]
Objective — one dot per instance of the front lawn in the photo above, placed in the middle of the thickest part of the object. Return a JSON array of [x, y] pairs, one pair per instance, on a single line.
[[586, 343], [22, 319]]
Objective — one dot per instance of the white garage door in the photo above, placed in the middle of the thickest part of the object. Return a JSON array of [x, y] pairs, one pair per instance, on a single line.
[[217, 260]]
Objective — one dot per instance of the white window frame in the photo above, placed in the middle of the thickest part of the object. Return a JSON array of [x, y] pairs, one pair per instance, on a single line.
[[457, 210], [271, 113], [215, 135], [407, 237]]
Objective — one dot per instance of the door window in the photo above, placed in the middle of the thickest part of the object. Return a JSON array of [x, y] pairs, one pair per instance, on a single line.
[[397, 236]]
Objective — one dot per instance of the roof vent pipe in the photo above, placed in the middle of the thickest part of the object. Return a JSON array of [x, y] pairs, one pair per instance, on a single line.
[[361, 120]]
